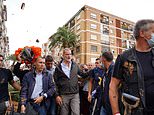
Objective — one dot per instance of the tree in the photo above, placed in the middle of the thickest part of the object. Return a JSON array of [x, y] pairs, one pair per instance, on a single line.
[[64, 38]]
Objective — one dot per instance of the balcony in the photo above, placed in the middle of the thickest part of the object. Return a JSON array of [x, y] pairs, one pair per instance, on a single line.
[[106, 31], [104, 19], [124, 25], [105, 42], [72, 23]]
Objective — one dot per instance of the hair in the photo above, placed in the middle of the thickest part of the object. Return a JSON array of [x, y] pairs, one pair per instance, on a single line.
[[108, 56], [38, 58], [97, 59], [82, 65], [66, 49], [48, 58], [142, 25], [1, 56]]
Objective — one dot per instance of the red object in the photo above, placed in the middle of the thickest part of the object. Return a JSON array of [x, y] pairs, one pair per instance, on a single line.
[[35, 50]]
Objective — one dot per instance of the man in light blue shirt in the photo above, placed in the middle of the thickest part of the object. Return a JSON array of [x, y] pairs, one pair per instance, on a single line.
[[37, 88]]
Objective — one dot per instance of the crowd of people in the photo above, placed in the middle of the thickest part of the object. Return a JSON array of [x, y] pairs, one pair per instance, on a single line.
[[104, 88]]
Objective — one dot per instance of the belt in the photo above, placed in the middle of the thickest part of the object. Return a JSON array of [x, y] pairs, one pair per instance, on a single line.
[[31, 100]]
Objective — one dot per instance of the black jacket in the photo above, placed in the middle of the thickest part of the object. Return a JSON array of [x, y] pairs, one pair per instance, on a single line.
[[18, 72], [67, 85]]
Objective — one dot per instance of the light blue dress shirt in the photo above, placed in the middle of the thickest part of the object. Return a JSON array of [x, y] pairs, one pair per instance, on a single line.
[[66, 69], [38, 88]]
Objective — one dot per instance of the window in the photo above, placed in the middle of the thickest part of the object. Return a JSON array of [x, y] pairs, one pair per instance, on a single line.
[[111, 21], [93, 26], [105, 40], [105, 48], [131, 37], [124, 25], [130, 28], [78, 27], [93, 37], [92, 15], [72, 23], [125, 34], [124, 43], [130, 44], [111, 31], [78, 38], [104, 19], [4, 13], [78, 17], [93, 48], [105, 30], [112, 41]]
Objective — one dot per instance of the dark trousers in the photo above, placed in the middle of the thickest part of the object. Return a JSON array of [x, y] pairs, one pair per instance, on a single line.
[[2, 108], [85, 105], [40, 108], [52, 108]]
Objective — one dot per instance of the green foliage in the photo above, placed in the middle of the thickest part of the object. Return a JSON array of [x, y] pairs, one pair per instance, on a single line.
[[11, 57], [64, 38]]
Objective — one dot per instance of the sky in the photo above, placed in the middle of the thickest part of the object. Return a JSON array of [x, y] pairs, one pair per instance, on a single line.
[[41, 18]]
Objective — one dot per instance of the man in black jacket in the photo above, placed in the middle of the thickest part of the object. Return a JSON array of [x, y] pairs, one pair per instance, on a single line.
[[134, 69], [66, 79]]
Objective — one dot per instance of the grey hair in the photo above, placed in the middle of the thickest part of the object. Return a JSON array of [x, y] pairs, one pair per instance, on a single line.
[[142, 25], [66, 49]]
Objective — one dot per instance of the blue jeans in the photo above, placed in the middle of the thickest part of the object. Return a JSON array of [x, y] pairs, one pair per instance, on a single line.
[[103, 111], [40, 108], [52, 109]]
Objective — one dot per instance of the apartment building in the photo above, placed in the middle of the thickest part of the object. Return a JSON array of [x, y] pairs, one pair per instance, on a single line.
[[99, 31], [4, 40]]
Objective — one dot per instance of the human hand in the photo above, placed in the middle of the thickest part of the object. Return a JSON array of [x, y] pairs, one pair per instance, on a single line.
[[23, 109], [59, 100], [89, 98], [19, 58], [38, 99]]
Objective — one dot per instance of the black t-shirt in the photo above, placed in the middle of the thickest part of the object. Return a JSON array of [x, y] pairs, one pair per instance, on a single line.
[[5, 77], [145, 59]]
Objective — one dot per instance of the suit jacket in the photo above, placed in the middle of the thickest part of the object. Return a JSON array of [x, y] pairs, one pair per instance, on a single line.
[[28, 84]]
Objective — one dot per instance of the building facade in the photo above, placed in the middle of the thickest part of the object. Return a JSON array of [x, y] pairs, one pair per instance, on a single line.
[[4, 40], [99, 31]]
